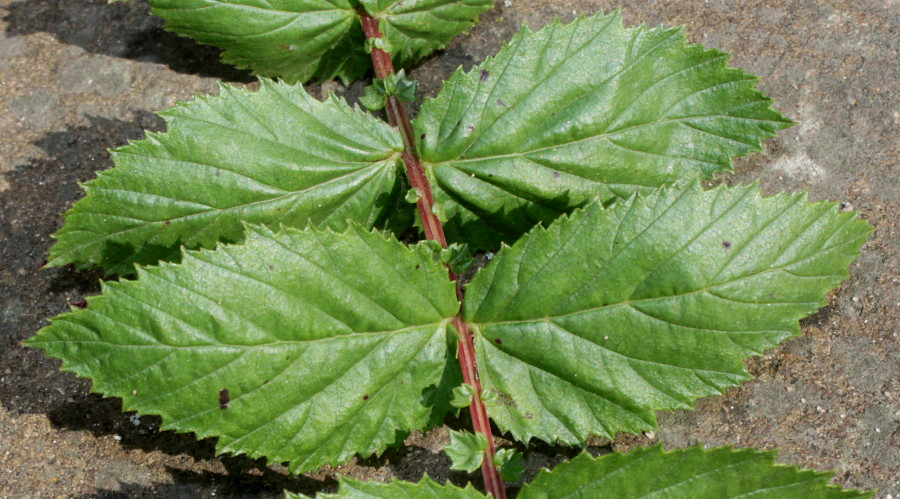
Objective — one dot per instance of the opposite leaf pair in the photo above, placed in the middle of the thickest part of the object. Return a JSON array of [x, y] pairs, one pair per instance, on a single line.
[[557, 118], [643, 293], [649, 472], [584, 328], [299, 40]]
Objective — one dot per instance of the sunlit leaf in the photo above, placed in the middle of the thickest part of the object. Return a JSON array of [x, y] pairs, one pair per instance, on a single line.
[[589, 326], [276, 155], [280, 346], [720, 473], [570, 112]]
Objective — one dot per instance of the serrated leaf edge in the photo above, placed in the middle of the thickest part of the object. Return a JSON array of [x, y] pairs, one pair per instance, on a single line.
[[56, 258], [684, 185], [473, 74], [141, 270], [769, 455]]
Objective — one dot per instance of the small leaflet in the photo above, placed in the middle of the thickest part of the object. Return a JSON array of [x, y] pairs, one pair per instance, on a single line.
[[466, 450], [462, 396]]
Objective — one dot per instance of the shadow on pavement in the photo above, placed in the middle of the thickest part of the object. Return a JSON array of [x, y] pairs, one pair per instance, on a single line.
[[122, 29]]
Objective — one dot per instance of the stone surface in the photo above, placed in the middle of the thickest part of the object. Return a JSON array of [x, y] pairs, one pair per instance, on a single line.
[[79, 76]]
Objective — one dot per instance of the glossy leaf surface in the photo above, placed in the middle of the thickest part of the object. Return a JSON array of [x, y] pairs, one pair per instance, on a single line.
[[589, 326], [397, 489], [298, 40], [289, 39], [415, 28], [281, 346], [276, 155], [575, 111], [466, 450], [720, 473]]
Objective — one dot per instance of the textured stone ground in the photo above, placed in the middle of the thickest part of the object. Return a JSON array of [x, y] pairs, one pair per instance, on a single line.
[[79, 76]]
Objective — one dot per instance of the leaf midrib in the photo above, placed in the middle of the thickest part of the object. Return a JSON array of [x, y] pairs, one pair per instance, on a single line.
[[212, 212], [213, 346], [605, 135], [630, 302], [632, 463], [306, 153], [228, 5], [629, 358], [553, 72]]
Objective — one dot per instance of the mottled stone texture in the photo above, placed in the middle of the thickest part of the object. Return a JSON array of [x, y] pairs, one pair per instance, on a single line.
[[80, 76]]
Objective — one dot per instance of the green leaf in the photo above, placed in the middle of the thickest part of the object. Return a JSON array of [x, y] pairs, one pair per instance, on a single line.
[[458, 257], [413, 195], [488, 397], [440, 211], [591, 325], [510, 464], [280, 346], [571, 112], [276, 155], [402, 87], [462, 396], [396, 84], [323, 39], [697, 473], [466, 450], [372, 98], [292, 40], [397, 489], [378, 43], [415, 28]]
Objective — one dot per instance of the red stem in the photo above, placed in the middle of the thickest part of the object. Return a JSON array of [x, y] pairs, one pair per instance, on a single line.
[[398, 118]]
